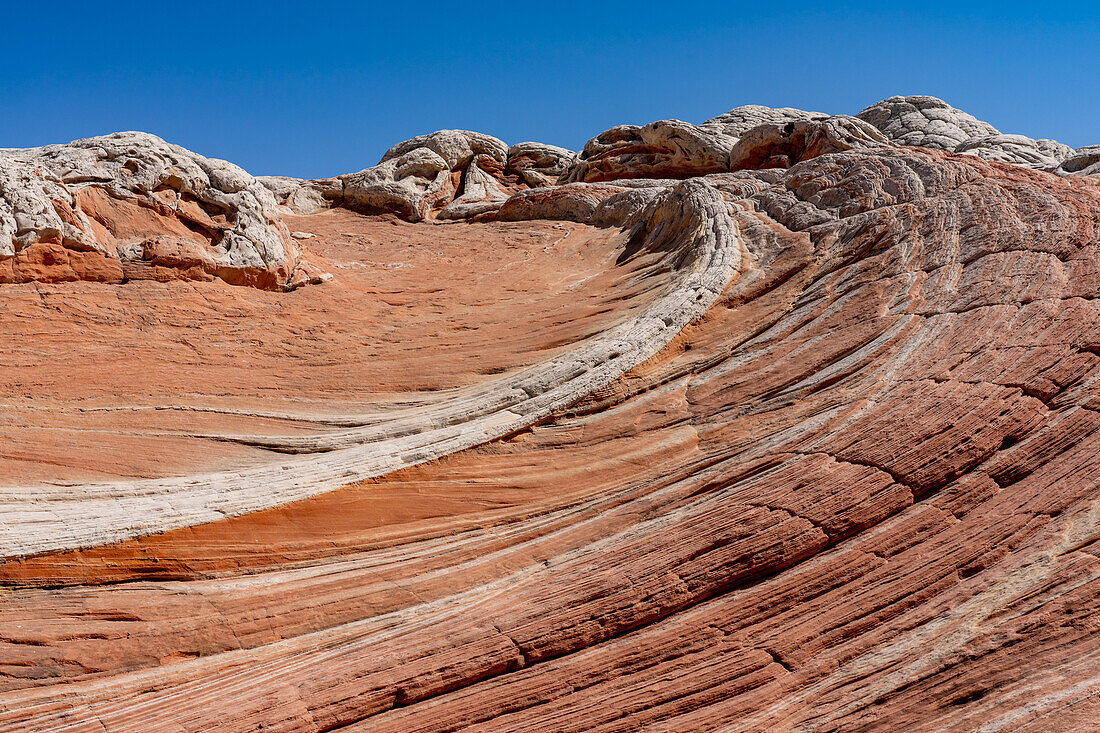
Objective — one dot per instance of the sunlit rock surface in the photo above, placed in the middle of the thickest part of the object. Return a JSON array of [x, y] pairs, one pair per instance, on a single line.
[[783, 426], [130, 206]]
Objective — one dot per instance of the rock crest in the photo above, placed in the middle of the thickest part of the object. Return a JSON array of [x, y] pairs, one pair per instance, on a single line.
[[129, 205], [924, 121]]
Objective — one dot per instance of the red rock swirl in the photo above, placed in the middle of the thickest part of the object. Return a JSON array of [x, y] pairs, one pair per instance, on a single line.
[[853, 486]]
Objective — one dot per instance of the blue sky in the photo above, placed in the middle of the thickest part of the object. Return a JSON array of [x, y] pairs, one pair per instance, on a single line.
[[317, 90]]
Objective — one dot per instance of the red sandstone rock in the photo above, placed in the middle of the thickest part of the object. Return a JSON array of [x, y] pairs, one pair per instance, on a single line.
[[859, 493]]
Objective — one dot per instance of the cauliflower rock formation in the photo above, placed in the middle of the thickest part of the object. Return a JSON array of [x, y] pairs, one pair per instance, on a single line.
[[663, 149], [538, 164], [782, 145], [1081, 162], [130, 205], [925, 121], [740, 120], [422, 175], [1045, 154]]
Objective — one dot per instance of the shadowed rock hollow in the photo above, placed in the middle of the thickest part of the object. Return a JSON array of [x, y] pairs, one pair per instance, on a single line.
[[781, 422]]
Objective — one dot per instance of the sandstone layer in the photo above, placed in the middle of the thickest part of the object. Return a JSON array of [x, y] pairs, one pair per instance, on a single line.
[[781, 422]]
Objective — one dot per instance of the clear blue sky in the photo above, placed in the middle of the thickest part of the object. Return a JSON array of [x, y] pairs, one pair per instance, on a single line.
[[320, 89]]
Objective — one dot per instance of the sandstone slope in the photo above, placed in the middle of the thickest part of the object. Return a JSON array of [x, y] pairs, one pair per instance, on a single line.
[[781, 422]]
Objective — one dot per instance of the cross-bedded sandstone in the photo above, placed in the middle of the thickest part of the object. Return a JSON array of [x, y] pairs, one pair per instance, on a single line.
[[810, 445]]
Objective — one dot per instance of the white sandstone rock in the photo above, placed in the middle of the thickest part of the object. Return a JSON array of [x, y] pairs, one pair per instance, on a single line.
[[1082, 162], [662, 149], [740, 120], [538, 164], [1017, 149], [38, 189], [774, 145], [421, 175], [925, 121]]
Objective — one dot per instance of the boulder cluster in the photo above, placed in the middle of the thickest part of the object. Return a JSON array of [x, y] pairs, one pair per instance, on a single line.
[[131, 206], [457, 174]]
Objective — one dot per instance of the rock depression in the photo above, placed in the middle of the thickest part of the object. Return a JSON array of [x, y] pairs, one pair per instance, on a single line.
[[780, 422]]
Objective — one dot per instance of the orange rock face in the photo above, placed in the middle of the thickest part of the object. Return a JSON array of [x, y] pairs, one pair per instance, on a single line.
[[859, 493], [415, 311]]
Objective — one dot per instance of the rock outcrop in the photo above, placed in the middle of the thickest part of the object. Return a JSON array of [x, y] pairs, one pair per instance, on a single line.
[[538, 164], [570, 202], [1082, 162], [300, 196], [740, 120], [130, 205], [932, 123], [1043, 154], [782, 145], [423, 175], [925, 121], [811, 444], [663, 149]]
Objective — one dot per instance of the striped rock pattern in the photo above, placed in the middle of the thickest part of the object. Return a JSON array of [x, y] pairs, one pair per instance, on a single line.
[[808, 448]]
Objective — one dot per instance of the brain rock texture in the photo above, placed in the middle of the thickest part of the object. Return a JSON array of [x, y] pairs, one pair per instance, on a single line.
[[785, 421]]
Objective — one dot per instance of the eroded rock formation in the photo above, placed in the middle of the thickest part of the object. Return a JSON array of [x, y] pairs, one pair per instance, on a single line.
[[925, 121], [805, 440], [772, 145], [1017, 149], [664, 149], [130, 205], [740, 120], [538, 164], [1082, 162]]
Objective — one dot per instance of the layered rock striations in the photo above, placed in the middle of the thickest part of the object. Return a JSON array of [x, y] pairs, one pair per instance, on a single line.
[[804, 438], [932, 123], [925, 121]]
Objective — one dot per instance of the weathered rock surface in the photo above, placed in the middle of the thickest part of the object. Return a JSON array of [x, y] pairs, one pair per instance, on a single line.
[[740, 120], [1045, 154], [482, 189], [421, 176], [538, 164], [300, 196], [810, 446], [130, 205], [782, 145], [925, 121], [1082, 162], [932, 123], [571, 202], [663, 149]]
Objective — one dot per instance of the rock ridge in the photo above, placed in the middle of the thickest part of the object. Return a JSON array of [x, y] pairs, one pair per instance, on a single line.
[[782, 421], [129, 205]]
